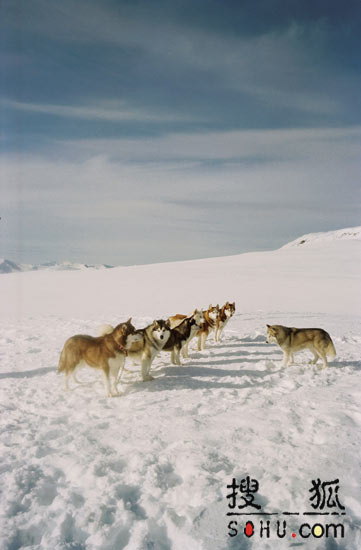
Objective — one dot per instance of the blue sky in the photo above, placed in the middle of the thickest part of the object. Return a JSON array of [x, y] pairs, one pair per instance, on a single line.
[[138, 131]]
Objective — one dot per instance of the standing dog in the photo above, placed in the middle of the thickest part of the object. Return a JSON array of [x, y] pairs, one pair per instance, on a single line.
[[225, 313], [106, 353], [291, 340], [210, 316], [150, 341], [181, 334], [177, 319]]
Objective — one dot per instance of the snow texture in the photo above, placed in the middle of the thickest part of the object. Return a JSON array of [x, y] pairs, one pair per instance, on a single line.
[[149, 470]]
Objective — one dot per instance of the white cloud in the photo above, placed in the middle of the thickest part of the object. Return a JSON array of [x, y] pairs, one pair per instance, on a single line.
[[99, 207], [320, 144], [110, 111]]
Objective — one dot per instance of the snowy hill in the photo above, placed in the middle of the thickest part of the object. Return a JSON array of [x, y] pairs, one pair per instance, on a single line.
[[302, 279], [7, 266], [350, 233], [150, 469]]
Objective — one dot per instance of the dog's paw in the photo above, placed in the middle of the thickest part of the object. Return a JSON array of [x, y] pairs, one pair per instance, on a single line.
[[148, 378], [114, 394]]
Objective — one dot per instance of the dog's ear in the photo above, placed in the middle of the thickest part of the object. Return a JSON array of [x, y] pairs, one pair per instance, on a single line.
[[217, 306], [129, 321], [210, 306], [268, 326]]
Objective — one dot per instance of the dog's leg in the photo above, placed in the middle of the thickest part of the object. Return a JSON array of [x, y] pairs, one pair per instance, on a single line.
[[323, 356], [173, 356], [200, 342], [66, 382], [74, 373], [146, 365], [204, 339], [113, 374], [315, 358], [177, 355], [107, 382], [185, 351], [121, 372], [286, 358]]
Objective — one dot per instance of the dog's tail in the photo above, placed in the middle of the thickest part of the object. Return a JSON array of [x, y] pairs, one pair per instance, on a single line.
[[331, 351], [62, 362], [105, 329]]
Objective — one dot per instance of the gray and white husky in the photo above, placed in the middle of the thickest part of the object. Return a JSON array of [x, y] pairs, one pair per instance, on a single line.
[[291, 339]]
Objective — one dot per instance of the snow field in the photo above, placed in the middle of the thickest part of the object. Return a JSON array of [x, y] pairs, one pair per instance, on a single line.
[[149, 470]]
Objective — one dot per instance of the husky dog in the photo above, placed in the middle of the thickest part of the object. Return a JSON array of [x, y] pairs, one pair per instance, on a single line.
[[225, 313], [181, 334], [150, 341], [210, 317], [177, 319], [293, 339], [106, 353]]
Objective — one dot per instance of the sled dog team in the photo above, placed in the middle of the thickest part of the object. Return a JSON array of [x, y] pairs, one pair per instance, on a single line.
[[108, 351]]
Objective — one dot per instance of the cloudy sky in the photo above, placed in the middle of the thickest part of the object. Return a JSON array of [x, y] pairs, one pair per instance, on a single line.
[[145, 131]]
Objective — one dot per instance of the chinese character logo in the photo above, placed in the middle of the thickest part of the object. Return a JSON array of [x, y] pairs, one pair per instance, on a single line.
[[242, 495], [325, 494]]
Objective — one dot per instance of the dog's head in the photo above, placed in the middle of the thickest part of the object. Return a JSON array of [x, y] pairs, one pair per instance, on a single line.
[[123, 332], [213, 312], [161, 331], [197, 318], [229, 309], [271, 334]]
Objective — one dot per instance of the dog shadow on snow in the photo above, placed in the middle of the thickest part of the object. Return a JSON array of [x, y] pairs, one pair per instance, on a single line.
[[189, 376], [177, 382], [245, 357], [28, 373], [354, 365], [242, 344]]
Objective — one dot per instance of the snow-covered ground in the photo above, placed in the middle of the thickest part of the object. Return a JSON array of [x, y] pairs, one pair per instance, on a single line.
[[149, 470]]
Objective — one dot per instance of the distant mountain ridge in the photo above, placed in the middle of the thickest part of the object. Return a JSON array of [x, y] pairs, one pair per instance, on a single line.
[[8, 266], [349, 233]]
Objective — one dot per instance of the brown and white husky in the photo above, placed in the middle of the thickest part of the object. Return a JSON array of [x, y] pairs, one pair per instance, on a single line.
[[210, 316], [224, 315], [106, 353]]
